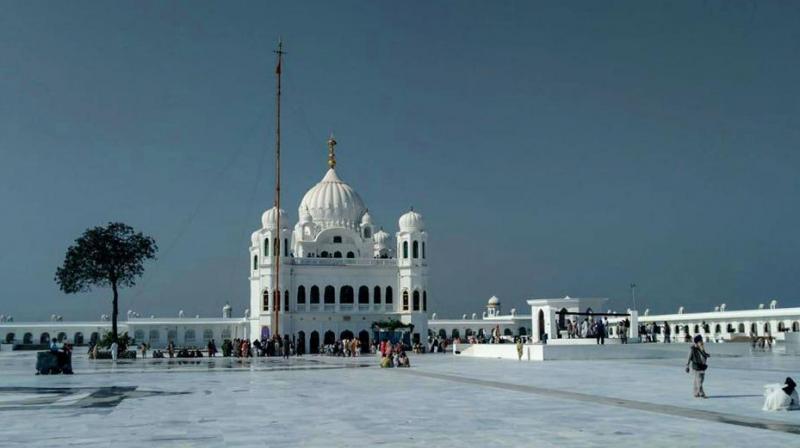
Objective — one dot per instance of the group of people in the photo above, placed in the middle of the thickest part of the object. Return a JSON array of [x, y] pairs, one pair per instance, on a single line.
[[275, 346], [393, 355], [344, 347], [591, 328]]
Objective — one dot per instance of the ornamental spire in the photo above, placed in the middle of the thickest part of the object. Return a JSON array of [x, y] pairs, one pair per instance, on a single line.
[[332, 152]]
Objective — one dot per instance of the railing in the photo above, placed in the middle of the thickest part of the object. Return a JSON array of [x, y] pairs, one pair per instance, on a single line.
[[305, 261]]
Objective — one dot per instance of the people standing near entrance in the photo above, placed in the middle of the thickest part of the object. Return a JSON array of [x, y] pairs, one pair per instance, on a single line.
[[667, 332], [171, 349], [519, 349], [286, 348], [114, 349], [697, 361], [144, 350]]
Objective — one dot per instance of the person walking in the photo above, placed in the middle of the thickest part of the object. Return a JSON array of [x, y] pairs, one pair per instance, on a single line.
[[114, 349], [600, 333], [697, 361], [519, 349], [667, 332]]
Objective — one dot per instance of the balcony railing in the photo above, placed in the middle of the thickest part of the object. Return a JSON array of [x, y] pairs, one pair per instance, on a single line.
[[344, 261]]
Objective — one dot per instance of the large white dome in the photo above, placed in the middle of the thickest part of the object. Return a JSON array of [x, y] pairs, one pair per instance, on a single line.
[[333, 203]]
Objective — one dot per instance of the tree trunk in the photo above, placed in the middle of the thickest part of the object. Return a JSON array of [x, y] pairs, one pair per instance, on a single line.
[[115, 312]]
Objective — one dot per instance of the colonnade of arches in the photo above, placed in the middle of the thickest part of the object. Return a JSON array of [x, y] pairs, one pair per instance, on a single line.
[[467, 332], [346, 295], [415, 249], [78, 338], [741, 328]]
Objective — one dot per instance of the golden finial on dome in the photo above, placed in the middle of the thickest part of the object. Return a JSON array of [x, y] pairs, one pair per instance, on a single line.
[[332, 152]]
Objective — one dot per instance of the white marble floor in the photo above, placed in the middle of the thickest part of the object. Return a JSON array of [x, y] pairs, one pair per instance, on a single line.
[[441, 401]]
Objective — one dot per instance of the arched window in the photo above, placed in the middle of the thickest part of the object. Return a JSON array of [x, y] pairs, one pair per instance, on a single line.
[[455, 333], [44, 338], [138, 335], [10, 338], [376, 295], [314, 294], [189, 335], [781, 327], [741, 328], [330, 337], [265, 301], [266, 247], [226, 333], [405, 249], [346, 294], [696, 329], [389, 295], [507, 331], [367, 232], [27, 338], [313, 343], [754, 328], [424, 300], [351, 255], [154, 335], [423, 249], [330, 294], [363, 295], [255, 262], [324, 254], [208, 334], [337, 254], [286, 300], [415, 249], [730, 328], [405, 300], [766, 327], [285, 247], [301, 295], [795, 326], [717, 329], [416, 300]]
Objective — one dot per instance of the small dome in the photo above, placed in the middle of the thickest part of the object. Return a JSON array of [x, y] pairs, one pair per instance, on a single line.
[[255, 237], [411, 221], [366, 219], [305, 216], [268, 219], [494, 301], [380, 237]]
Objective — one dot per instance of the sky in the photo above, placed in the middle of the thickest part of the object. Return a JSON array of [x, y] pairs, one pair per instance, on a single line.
[[554, 148]]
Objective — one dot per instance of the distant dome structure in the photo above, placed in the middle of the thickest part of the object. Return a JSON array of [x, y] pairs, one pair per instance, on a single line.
[[411, 221], [493, 307], [268, 219], [494, 301]]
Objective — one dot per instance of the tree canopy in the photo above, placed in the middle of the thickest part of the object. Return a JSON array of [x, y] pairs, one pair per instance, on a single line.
[[109, 256]]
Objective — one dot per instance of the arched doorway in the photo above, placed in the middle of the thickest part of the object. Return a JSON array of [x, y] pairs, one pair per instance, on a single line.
[[522, 331], [62, 337], [717, 329], [44, 338], [27, 338], [78, 339], [346, 334], [363, 337], [541, 323], [301, 342], [330, 337], [456, 333], [796, 326], [9, 338], [754, 328], [442, 334], [562, 319], [314, 342]]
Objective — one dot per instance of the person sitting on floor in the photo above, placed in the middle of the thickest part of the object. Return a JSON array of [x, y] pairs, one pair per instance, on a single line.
[[781, 397]]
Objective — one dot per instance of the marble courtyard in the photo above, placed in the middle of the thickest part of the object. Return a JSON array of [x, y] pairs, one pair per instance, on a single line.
[[443, 400]]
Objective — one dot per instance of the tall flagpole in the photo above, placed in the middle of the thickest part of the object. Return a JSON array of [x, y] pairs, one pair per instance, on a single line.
[[276, 247]]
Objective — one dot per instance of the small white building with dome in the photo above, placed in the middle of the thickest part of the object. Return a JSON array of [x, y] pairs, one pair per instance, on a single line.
[[338, 272]]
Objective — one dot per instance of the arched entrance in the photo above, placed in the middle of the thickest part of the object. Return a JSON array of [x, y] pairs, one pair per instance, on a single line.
[[301, 342], [346, 334], [27, 338], [562, 319], [78, 338], [456, 333], [314, 342], [330, 337], [363, 336], [62, 337], [442, 334], [9, 338], [44, 338]]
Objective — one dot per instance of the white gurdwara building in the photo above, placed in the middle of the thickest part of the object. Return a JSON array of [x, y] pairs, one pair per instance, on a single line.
[[338, 274]]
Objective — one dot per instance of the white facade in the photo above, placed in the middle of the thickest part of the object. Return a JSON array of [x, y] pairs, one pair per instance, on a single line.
[[337, 274]]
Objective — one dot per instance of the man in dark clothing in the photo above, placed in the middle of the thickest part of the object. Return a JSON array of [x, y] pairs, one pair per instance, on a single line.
[[697, 361], [600, 332]]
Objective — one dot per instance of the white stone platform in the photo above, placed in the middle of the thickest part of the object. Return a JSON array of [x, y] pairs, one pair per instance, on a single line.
[[443, 400]]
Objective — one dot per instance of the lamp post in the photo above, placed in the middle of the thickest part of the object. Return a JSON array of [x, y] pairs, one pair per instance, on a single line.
[[633, 295]]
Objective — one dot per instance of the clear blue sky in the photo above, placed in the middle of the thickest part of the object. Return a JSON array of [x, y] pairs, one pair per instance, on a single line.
[[554, 148]]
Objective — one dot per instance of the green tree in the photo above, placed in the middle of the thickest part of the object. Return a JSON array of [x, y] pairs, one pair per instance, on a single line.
[[111, 256]]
